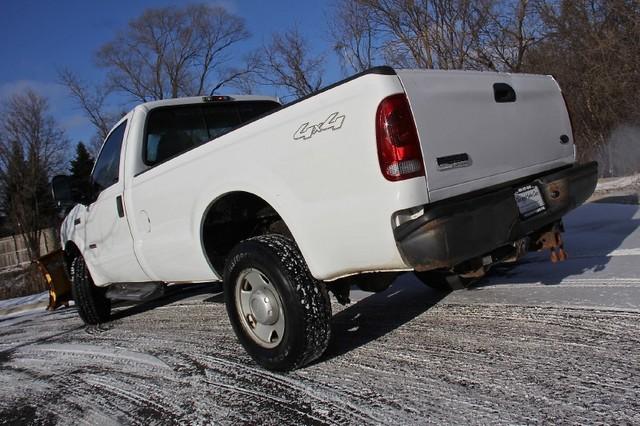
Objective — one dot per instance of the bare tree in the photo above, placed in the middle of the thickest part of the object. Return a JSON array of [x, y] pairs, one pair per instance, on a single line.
[[170, 52], [513, 29], [458, 27], [354, 36], [93, 102], [592, 48], [441, 34], [32, 149], [288, 63]]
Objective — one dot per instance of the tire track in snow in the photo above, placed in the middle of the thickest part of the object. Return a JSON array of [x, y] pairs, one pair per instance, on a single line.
[[93, 353], [323, 394], [453, 363]]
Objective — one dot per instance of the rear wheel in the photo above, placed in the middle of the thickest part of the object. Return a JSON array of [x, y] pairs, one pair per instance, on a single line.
[[93, 305], [279, 312]]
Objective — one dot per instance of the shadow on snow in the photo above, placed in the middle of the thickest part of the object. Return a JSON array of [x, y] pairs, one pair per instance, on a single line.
[[593, 233]]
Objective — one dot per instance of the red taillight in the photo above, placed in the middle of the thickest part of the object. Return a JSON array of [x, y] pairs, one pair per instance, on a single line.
[[398, 145]]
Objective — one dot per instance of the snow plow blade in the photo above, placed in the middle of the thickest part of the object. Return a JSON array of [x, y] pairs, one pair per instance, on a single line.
[[52, 267]]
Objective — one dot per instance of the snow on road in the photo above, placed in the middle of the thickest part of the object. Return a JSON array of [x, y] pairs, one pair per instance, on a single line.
[[25, 300], [617, 183], [625, 190], [534, 343], [21, 305], [603, 270]]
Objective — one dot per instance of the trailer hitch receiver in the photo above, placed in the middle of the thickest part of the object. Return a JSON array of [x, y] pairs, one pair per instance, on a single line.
[[552, 240]]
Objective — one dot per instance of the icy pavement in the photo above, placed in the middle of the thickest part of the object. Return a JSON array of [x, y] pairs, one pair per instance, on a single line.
[[25, 300], [624, 190], [535, 343], [618, 183], [22, 305], [603, 270]]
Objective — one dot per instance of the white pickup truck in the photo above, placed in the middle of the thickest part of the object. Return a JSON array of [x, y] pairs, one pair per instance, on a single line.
[[442, 173]]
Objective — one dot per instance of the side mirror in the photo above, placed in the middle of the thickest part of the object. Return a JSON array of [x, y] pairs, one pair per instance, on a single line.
[[61, 188]]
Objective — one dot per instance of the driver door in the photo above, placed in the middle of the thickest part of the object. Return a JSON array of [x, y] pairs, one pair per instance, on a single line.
[[109, 244]]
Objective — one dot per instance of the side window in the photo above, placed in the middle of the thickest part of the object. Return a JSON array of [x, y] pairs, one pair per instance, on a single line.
[[107, 168]]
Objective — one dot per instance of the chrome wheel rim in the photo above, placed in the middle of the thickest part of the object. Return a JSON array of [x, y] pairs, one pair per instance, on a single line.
[[260, 308]]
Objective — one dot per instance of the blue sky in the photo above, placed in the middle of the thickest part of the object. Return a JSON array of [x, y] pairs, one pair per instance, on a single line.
[[39, 37]]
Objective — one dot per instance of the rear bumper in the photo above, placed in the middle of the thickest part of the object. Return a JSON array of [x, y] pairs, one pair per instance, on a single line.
[[454, 231]]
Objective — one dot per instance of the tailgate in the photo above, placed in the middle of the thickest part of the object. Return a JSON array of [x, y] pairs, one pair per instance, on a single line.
[[471, 140]]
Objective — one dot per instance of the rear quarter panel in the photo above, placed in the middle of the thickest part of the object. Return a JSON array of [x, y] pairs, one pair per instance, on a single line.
[[328, 188]]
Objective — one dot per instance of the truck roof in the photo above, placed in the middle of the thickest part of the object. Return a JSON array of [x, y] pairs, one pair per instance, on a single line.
[[203, 99]]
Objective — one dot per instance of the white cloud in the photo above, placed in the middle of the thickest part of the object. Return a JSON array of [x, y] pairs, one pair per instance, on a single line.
[[52, 91], [61, 106]]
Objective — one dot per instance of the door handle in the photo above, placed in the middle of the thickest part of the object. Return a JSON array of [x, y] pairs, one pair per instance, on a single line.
[[120, 206], [502, 93]]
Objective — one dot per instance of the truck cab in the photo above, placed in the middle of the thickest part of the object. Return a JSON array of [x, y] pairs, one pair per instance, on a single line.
[[107, 225]]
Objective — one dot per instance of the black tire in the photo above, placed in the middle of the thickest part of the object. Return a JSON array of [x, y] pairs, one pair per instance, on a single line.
[[93, 305], [302, 301], [442, 281]]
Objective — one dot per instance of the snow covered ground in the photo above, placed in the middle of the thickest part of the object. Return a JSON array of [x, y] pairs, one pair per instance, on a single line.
[[624, 189], [22, 301], [533, 343], [617, 183], [603, 270]]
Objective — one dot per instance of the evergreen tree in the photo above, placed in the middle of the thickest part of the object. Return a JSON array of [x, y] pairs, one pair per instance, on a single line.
[[80, 169], [82, 164]]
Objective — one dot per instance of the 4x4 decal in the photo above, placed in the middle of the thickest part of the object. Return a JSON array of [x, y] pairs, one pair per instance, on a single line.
[[306, 131]]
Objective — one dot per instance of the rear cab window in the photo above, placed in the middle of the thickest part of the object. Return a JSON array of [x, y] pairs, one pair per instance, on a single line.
[[173, 130]]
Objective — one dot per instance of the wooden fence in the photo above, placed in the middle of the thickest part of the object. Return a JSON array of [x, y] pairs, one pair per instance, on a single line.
[[13, 250]]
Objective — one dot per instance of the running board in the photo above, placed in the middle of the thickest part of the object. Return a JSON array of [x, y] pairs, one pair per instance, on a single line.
[[137, 292]]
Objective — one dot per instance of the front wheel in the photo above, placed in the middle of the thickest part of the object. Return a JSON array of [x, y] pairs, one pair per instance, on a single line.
[[280, 313], [93, 305]]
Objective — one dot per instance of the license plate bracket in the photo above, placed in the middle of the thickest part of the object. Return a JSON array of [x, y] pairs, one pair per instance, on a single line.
[[529, 200]]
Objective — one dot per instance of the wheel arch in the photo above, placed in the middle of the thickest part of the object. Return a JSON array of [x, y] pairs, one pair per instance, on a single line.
[[232, 217], [71, 251]]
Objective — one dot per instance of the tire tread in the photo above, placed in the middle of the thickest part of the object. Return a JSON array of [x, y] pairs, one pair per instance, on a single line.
[[312, 294], [93, 306]]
